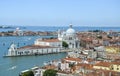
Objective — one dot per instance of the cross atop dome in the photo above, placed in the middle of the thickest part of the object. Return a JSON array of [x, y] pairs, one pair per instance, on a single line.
[[70, 25]]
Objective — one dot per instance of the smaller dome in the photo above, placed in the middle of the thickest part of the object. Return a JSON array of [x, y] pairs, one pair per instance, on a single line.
[[70, 31]]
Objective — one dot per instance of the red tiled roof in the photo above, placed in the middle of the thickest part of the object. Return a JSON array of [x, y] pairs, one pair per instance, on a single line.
[[117, 63], [49, 67], [89, 60], [104, 64], [73, 59], [86, 66], [35, 47], [87, 39], [100, 72]]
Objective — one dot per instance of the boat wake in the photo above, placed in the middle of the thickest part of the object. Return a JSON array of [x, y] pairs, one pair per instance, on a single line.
[[12, 68]]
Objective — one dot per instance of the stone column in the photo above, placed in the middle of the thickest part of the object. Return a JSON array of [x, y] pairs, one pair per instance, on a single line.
[[75, 44], [78, 44]]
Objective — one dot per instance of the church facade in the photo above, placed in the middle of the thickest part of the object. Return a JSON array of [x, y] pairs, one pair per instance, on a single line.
[[70, 37]]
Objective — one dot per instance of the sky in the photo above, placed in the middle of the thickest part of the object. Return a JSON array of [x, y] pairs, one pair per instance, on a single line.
[[60, 12]]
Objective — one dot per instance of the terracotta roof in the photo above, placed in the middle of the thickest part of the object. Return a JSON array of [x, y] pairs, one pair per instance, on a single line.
[[49, 67], [89, 60], [87, 39], [105, 73], [86, 66], [104, 64], [117, 63], [72, 59], [35, 47], [50, 40]]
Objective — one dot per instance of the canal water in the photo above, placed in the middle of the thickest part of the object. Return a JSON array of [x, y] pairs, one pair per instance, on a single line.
[[11, 66]]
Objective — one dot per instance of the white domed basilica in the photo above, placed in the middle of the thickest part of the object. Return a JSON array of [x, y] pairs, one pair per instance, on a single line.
[[70, 37]]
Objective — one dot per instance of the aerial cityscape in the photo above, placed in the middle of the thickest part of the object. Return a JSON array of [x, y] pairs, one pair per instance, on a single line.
[[60, 38]]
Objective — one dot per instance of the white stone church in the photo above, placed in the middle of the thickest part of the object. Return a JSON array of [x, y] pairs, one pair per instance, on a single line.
[[70, 37], [45, 46]]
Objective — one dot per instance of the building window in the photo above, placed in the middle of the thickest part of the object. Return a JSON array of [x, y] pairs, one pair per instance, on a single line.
[[47, 50], [42, 50], [56, 50], [37, 51], [117, 68], [70, 38], [112, 68]]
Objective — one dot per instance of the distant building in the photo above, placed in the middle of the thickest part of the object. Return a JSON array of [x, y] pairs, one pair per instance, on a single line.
[[18, 32], [64, 66], [112, 49], [73, 54], [111, 34], [101, 53], [112, 66]]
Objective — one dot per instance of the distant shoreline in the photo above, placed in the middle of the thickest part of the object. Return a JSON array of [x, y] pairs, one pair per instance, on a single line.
[[28, 33], [41, 33], [51, 30]]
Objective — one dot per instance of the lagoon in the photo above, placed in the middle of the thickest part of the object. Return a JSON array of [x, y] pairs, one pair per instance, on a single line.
[[12, 66]]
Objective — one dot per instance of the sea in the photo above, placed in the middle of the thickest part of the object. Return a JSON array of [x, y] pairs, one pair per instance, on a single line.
[[12, 66], [56, 28]]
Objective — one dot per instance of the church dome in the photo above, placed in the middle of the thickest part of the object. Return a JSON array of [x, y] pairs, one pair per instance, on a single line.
[[70, 31]]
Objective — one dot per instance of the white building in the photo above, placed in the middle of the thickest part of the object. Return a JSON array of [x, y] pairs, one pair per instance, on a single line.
[[12, 50], [18, 32], [49, 42], [73, 54], [70, 37], [32, 50], [41, 46], [64, 66]]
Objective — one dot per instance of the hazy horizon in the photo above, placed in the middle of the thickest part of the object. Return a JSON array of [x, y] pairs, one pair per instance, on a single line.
[[92, 13], [54, 26]]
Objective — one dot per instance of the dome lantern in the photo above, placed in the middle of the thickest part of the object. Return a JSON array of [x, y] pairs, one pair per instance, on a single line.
[[70, 25]]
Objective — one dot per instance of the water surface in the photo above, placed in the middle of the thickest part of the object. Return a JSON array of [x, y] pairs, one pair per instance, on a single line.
[[13, 65]]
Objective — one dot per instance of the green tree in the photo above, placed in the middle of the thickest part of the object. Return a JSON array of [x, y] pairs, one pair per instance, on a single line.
[[99, 37], [51, 37], [50, 72], [64, 44], [71, 65], [28, 73]]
